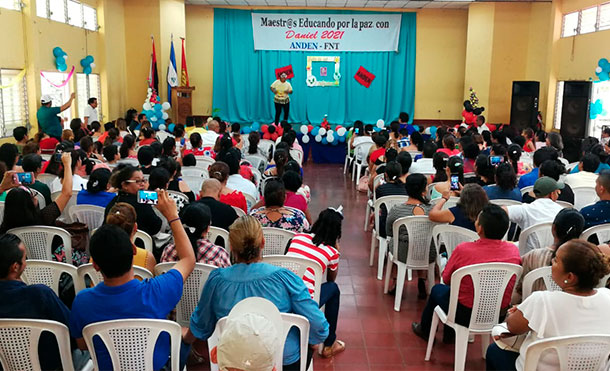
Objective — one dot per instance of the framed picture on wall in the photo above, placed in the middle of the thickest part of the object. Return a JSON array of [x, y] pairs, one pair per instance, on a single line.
[[323, 71]]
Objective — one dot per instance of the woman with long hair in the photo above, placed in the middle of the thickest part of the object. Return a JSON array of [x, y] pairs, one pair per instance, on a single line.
[[275, 214], [529, 145], [439, 162], [321, 245], [506, 184], [98, 189], [128, 148], [513, 153], [455, 166], [472, 200]]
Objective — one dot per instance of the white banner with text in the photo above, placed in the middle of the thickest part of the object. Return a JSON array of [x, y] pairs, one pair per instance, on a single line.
[[326, 32]]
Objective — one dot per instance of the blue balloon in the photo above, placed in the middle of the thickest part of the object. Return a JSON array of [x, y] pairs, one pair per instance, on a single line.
[[376, 129], [87, 70], [324, 140], [57, 51], [315, 131], [158, 107], [255, 126], [335, 141], [342, 139], [416, 127], [155, 125], [62, 67], [246, 130], [159, 114], [171, 127]]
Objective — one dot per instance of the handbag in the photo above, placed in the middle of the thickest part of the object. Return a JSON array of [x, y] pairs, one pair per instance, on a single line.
[[79, 233], [363, 184]]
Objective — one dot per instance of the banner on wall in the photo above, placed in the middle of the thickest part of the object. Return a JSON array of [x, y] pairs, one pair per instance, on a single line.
[[326, 32]]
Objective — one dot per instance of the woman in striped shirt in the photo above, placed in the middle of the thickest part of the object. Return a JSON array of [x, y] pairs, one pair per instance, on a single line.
[[322, 246]]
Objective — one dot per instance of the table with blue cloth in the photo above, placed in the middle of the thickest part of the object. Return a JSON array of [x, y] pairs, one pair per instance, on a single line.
[[323, 153]]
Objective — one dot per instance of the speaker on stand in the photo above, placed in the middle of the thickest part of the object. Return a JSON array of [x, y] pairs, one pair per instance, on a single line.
[[524, 105], [575, 109]]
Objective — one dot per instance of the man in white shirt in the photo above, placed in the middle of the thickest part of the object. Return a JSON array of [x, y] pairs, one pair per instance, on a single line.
[[481, 127], [542, 210], [424, 165], [91, 112], [585, 177], [208, 139]]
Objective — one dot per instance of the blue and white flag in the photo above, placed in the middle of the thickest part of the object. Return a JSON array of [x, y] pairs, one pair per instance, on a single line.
[[172, 76]]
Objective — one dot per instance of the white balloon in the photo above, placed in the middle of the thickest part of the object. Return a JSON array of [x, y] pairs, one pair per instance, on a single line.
[[318, 138], [322, 131], [380, 123], [166, 106], [427, 130], [92, 65], [154, 118], [165, 116], [305, 138], [341, 131], [147, 106], [330, 138], [330, 132], [65, 57], [149, 90], [304, 130], [162, 127]]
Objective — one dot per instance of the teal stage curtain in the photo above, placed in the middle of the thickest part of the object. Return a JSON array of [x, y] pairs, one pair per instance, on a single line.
[[242, 77]]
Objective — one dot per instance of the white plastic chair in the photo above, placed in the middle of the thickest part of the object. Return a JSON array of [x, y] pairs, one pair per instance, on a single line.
[[264, 182], [276, 240], [266, 145], [602, 232], [146, 239], [194, 182], [361, 151], [419, 229], [290, 320], [452, 202], [450, 236], [87, 270], [584, 196], [535, 237], [250, 200], [377, 181], [48, 273], [240, 212], [38, 241], [564, 204], [297, 155], [543, 273], [431, 187], [348, 158], [91, 215], [203, 162], [490, 281], [215, 232], [298, 266], [505, 202], [576, 352], [47, 179], [191, 291], [41, 201], [131, 342], [376, 239], [180, 198], [71, 202], [257, 161], [19, 343], [129, 161], [193, 171], [1, 211], [527, 189]]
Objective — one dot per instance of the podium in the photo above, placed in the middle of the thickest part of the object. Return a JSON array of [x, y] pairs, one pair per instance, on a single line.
[[182, 104]]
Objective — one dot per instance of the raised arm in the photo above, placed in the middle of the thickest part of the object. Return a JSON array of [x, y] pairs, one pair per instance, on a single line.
[[68, 103], [438, 215], [183, 247], [66, 187]]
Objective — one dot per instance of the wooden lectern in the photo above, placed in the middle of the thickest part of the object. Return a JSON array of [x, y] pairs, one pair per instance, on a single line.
[[182, 104]]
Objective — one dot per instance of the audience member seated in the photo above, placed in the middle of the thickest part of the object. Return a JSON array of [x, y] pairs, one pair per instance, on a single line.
[[111, 154], [9, 154], [253, 139], [196, 218], [198, 128], [97, 192], [506, 184], [491, 226], [196, 146], [529, 140], [159, 179], [208, 139], [586, 176], [121, 296], [553, 169], [175, 181], [405, 160], [416, 141], [33, 163], [471, 152], [425, 164], [146, 156], [542, 210], [599, 151], [449, 146], [47, 144], [250, 277], [128, 180], [293, 182], [322, 246], [124, 216], [127, 148], [378, 150], [541, 155], [393, 186], [417, 204], [149, 137], [568, 225], [223, 214], [577, 309], [32, 302], [276, 214], [472, 200], [21, 209], [80, 162], [20, 133], [485, 173], [599, 213], [220, 171], [513, 153], [455, 166], [232, 157]]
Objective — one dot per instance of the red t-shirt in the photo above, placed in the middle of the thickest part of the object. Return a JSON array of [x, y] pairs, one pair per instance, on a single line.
[[377, 153], [327, 256], [48, 145], [481, 251], [236, 199], [147, 141], [455, 152], [294, 200], [205, 151]]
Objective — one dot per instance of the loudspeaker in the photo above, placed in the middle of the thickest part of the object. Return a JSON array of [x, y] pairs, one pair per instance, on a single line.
[[524, 105], [575, 109]]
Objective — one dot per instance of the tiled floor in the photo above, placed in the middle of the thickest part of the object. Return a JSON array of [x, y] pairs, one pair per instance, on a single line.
[[377, 337]]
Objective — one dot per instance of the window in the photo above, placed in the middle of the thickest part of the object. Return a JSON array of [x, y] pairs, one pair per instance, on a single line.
[[13, 102], [88, 86], [71, 12], [587, 20], [601, 91], [10, 4], [60, 95], [558, 105]]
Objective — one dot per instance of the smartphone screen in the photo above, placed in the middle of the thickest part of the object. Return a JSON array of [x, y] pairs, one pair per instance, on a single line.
[[455, 182], [356, 130], [496, 160], [24, 178], [148, 197], [57, 157]]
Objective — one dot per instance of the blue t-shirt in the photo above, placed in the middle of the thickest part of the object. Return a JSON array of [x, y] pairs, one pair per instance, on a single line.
[[602, 166], [596, 214], [153, 298], [528, 179], [460, 219], [101, 199], [226, 287], [495, 193], [35, 302]]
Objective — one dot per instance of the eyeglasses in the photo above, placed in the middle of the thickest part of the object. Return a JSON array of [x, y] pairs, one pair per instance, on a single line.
[[138, 181]]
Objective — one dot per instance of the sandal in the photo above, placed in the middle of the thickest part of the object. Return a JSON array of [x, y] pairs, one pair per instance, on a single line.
[[337, 347]]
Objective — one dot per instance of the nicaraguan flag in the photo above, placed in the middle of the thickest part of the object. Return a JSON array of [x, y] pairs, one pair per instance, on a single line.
[[172, 76]]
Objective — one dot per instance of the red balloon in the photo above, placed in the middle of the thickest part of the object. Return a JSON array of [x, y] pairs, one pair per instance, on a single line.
[[265, 128], [491, 127], [274, 136], [309, 128], [266, 135], [279, 130]]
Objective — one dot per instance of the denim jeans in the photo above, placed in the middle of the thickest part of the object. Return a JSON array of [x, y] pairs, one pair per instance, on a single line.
[[329, 296], [439, 295], [498, 359]]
